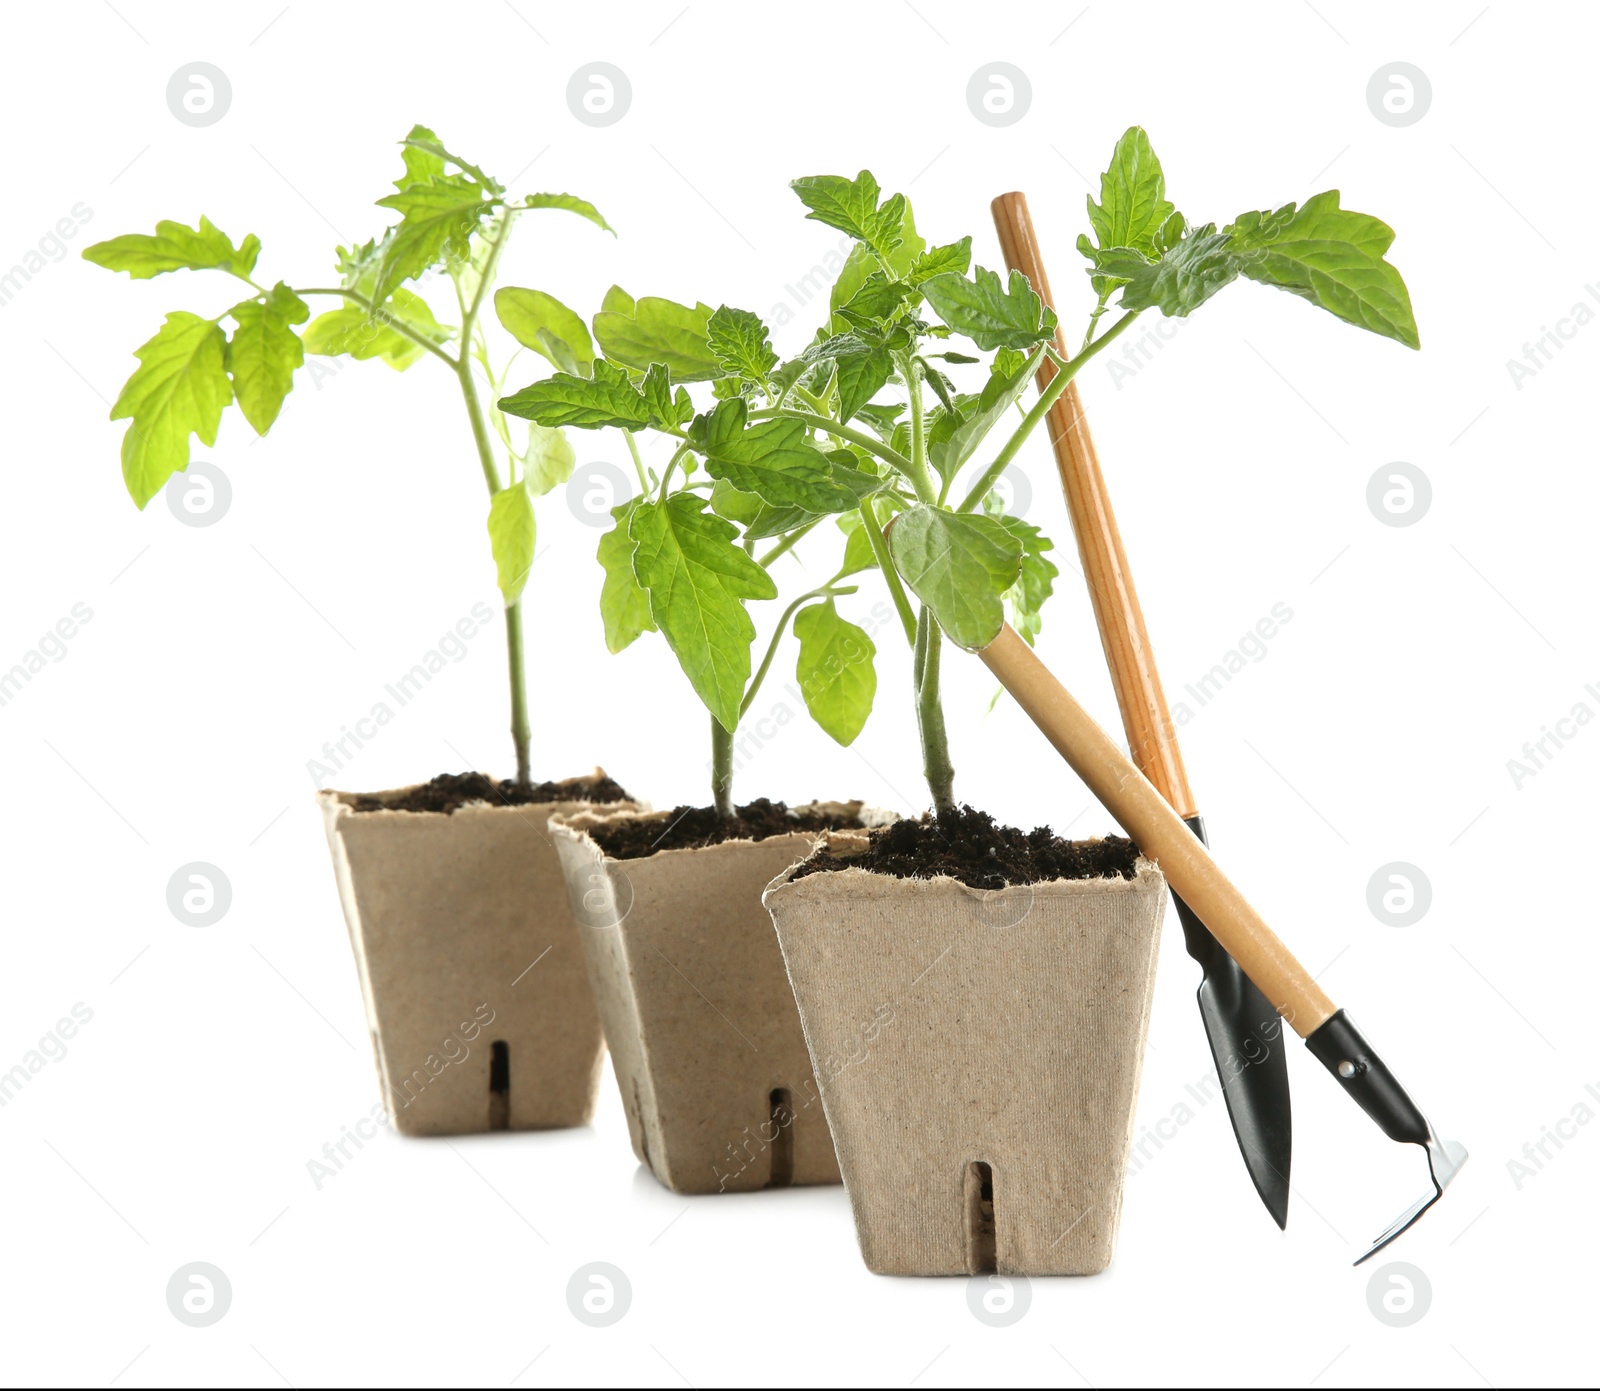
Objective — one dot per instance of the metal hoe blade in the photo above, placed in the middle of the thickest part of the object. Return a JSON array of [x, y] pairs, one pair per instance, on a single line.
[[1445, 1158], [1340, 1047], [1246, 1038]]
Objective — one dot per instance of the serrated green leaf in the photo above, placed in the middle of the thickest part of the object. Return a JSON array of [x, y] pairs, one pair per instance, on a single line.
[[589, 403], [512, 537], [860, 377], [971, 426], [179, 388], [658, 330], [778, 521], [1331, 256], [942, 386], [352, 330], [624, 605], [698, 581], [667, 411], [1183, 279], [954, 259], [176, 247], [437, 222], [772, 460], [898, 262], [991, 316], [1006, 362], [877, 301], [960, 565], [728, 501], [264, 353], [858, 552], [567, 202], [852, 206], [547, 460], [423, 156], [1026, 598], [763, 519], [618, 301], [858, 265], [738, 339], [558, 352], [834, 670], [539, 321], [851, 475], [1133, 204], [882, 419]]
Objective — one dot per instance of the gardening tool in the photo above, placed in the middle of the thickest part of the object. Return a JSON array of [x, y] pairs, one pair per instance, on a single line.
[[1240, 1024], [1165, 837]]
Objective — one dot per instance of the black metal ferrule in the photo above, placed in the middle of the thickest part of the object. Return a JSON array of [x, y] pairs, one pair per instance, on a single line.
[[1338, 1045]]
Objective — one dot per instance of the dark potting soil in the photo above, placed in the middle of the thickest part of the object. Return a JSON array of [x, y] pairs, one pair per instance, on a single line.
[[451, 790], [694, 828], [967, 845]]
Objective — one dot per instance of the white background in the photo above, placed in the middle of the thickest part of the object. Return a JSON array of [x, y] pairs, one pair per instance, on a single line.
[[1377, 728]]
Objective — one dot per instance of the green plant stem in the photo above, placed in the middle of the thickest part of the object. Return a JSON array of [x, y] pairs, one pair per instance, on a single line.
[[1094, 318], [722, 768], [638, 463], [1047, 398], [936, 766], [921, 476], [785, 545], [389, 321], [820, 592], [520, 729], [891, 577], [671, 468], [845, 432], [521, 733]]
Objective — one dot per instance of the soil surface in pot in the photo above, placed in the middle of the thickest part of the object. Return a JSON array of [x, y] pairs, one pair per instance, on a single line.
[[451, 790], [694, 828], [967, 845]]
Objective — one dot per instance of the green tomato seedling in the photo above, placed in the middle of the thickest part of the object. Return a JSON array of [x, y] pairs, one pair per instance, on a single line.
[[791, 443], [454, 219]]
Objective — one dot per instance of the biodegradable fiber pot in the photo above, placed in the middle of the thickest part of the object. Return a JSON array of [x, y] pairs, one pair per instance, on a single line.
[[699, 1016], [480, 1013], [978, 1054]]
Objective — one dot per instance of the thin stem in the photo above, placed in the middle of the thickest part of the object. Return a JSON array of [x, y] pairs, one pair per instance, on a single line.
[[820, 592], [1047, 398], [521, 734], [845, 432], [638, 463], [1094, 318], [919, 434], [936, 765], [496, 246], [722, 768], [891, 577], [785, 545], [771, 652], [389, 320], [671, 468], [480, 427]]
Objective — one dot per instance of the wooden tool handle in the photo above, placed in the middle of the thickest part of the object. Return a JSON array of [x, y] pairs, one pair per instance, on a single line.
[[1159, 832], [1145, 718]]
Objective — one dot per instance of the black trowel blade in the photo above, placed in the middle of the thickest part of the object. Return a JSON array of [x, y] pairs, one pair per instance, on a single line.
[[1248, 1047]]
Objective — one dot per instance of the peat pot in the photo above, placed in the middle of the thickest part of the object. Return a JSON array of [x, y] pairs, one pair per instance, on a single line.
[[978, 1054], [477, 1001], [705, 1041]]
